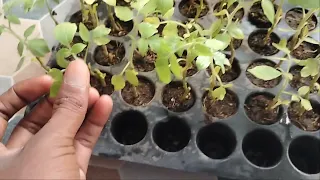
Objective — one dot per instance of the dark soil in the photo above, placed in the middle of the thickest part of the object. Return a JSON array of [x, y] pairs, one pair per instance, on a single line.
[[77, 19], [236, 44], [116, 53], [145, 89], [230, 74], [95, 82], [298, 81], [190, 72], [172, 97], [76, 39], [308, 121], [306, 50], [256, 43], [144, 63], [257, 17], [295, 15], [124, 27], [122, 3], [188, 8], [256, 109], [221, 109], [259, 82], [239, 14]]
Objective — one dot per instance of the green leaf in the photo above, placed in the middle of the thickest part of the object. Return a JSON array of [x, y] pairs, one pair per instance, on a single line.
[[100, 35], [84, 32], [146, 29], [219, 93], [38, 47], [235, 31], [13, 19], [203, 62], [118, 82], [268, 9], [57, 77], [175, 67], [142, 46], [311, 68], [149, 7], [138, 5], [282, 46], [20, 48], [27, 6], [220, 59], [123, 13], [265, 73], [303, 90], [101, 41], [215, 28], [61, 55], [29, 31], [111, 2], [65, 32], [163, 70], [306, 104], [170, 29], [202, 50], [305, 3], [221, 42], [77, 48], [131, 76], [21, 62], [169, 13], [164, 5]]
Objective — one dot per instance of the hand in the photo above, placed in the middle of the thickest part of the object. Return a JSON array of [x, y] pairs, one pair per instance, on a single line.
[[56, 139]]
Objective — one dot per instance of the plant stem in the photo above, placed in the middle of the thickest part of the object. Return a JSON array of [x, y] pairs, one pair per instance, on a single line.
[[50, 13], [101, 79], [87, 50], [275, 23], [199, 9], [111, 18], [312, 84], [93, 17], [233, 52], [82, 10], [47, 69], [300, 27]]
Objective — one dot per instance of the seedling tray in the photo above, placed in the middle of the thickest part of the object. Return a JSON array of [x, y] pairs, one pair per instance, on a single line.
[[235, 147]]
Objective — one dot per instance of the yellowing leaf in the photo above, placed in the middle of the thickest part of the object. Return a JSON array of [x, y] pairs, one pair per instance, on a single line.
[[155, 21], [268, 9], [131, 76], [265, 73], [170, 29], [219, 93], [306, 104], [118, 82]]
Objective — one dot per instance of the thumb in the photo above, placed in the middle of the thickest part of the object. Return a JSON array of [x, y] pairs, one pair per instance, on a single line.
[[70, 106]]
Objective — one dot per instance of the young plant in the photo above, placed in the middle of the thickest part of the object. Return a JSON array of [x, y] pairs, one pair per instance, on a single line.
[[147, 30], [273, 17], [37, 46]]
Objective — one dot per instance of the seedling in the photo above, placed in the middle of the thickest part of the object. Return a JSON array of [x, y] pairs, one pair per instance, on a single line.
[[273, 17]]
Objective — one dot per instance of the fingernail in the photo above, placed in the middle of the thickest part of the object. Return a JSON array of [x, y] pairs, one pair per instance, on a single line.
[[77, 74]]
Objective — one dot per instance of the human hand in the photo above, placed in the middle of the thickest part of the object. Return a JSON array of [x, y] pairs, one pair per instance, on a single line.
[[56, 139]]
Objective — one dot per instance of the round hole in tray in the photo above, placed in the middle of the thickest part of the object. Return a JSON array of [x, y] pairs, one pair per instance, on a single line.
[[257, 44], [172, 97], [216, 141], [262, 148], [172, 135], [304, 154], [259, 82], [190, 11], [129, 127], [295, 15], [116, 53], [256, 108]]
